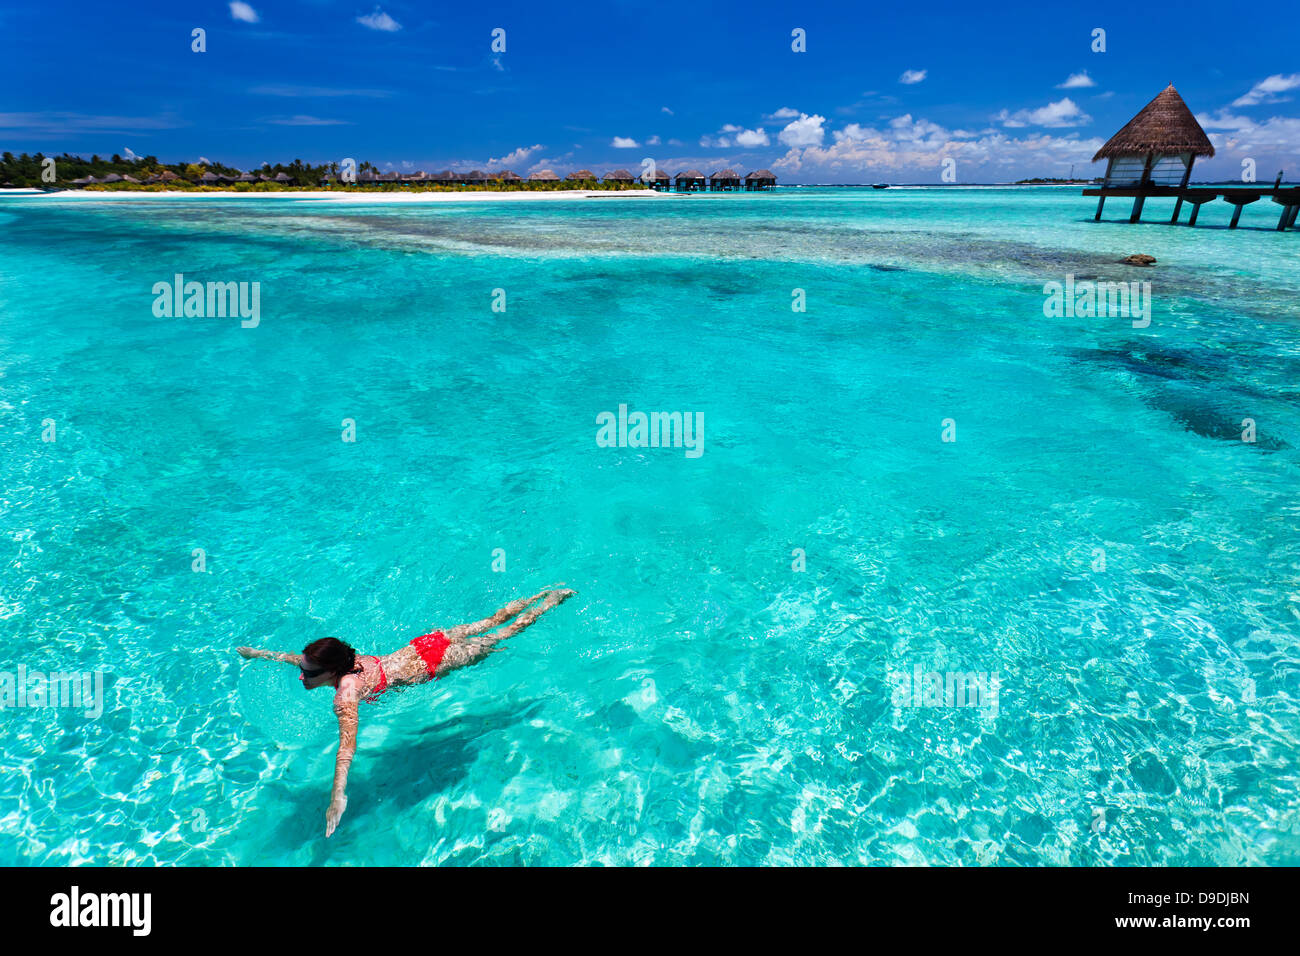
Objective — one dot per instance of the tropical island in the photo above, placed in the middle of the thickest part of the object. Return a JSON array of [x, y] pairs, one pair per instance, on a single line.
[[146, 173]]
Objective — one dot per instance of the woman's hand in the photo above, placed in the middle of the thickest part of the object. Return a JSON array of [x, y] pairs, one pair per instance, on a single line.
[[245, 652], [334, 813]]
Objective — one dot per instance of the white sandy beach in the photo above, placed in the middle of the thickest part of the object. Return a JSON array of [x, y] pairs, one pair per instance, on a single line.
[[343, 196]]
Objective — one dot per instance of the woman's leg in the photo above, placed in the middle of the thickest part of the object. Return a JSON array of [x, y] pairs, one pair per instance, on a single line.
[[465, 653], [461, 631]]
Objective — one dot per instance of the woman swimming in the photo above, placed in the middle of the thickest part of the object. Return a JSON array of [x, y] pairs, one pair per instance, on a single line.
[[330, 662]]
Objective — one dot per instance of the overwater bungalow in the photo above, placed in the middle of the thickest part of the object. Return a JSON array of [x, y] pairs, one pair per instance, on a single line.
[[690, 180], [507, 177], [760, 179], [724, 180], [476, 178], [658, 180], [445, 178], [544, 176], [621, 176], [1152, 156]]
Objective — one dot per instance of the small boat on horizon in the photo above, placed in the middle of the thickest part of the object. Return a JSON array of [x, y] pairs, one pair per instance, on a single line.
[[880, 185]]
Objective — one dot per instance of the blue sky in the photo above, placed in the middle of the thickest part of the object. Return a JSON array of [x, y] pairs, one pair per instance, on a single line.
[[884, 92]]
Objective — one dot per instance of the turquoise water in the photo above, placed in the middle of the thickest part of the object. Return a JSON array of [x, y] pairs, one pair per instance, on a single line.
[[699, 701]]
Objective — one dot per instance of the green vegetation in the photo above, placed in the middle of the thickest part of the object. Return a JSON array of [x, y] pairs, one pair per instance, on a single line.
[[27, 170]]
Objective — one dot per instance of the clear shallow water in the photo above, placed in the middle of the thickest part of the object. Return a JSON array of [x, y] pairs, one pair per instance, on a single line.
[[698, 702]]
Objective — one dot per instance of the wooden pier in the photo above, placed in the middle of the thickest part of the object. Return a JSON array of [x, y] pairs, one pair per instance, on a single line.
[[1286, 196], [1153, 155]]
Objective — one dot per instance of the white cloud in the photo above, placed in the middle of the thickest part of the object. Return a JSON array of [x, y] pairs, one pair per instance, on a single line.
[[379, 21], [652, 141], [912, 76], [915, 145], [1267, 90], [784, 113], [295, 91], [517, 157], [749, 138], [243, 12], [1077, 81], [666, 110], [624, 142], [204, 161], [805, 131], [1064, 112], [304, 120], [1280, 134]]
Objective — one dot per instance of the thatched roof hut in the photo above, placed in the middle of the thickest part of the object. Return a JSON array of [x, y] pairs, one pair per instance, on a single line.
[[689, 179], [581, 175], [506, 176], [84, 181], [1158, 145], [283, 178], [445, 177], [619, 176], [725, 179], [208, 179], [476, 177], [111, 178], [544, 176], [168, 176], [130, 179]]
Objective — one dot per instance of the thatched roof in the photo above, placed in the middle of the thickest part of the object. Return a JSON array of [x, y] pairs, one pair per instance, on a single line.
[[582, 174], [84, 181], [283, 178], [476, 176], [130, 179], [208, 177], [690, 174], [246, 178], [168, 176], [446, 176], [761, 174], [111, 178], [725, 174], [544, 176], [1165, 125], [506, 176], [658, 176], [619, 176]]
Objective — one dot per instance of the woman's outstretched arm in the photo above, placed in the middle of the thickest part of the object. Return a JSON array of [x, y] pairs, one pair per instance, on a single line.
[[252, 654], [347, 714]]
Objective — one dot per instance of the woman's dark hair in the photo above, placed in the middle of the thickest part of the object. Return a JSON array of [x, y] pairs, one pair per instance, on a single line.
[[333, 655]]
